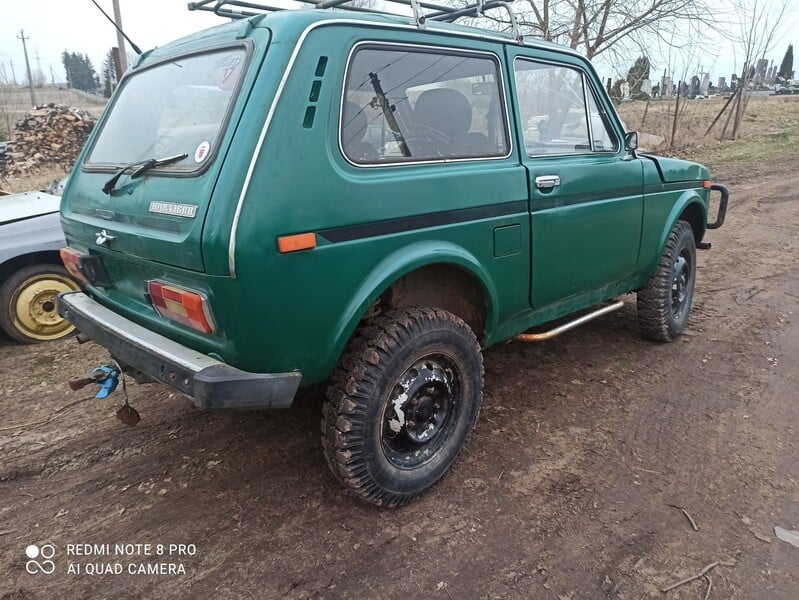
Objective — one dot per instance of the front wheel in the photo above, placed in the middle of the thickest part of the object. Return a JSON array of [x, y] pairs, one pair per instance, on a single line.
[[28, 303], [402, 403], [664, 301]]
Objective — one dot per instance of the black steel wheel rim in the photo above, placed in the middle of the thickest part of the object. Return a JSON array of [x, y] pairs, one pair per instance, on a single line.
[[421, 411], [680, 283]]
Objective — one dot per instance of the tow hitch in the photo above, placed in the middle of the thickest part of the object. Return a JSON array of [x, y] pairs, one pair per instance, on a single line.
[[108, 378]]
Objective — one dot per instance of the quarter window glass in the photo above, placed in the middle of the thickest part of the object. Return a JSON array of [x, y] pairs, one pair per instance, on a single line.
[[553, 111], [405, 105]]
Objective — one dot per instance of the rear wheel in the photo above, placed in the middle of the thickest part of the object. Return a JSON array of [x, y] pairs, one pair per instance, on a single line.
[[402, 403], [28, 303], [664, 301]]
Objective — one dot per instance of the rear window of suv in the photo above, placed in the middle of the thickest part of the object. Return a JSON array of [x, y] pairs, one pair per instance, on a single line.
[[176, 107], [404, 104]]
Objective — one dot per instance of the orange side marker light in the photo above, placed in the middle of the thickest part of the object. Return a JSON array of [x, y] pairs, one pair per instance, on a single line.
[[295, 243]]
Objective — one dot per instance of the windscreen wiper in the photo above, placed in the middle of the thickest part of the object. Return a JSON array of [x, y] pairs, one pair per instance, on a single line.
[[138, 169]]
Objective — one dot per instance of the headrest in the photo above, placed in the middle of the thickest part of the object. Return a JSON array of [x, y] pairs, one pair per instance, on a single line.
[[444, 109]]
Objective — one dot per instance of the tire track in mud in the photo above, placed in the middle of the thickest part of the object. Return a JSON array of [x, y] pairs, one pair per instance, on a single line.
[[563, 489], [691, 437]]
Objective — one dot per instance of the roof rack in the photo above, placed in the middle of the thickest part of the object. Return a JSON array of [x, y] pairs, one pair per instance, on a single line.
[[423, 10]]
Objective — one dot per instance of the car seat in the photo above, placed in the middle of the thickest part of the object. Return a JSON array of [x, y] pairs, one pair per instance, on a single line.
[[448, 114]]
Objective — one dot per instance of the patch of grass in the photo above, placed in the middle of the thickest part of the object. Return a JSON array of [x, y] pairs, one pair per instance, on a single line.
[[764, 114], [35, 180], [750, 152], [769, 133]]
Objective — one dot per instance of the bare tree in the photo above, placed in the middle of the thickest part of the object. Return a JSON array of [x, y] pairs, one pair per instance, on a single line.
[[758, 24], [597, 26]]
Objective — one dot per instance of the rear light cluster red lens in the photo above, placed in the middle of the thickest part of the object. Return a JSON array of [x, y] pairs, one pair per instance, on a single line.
[[71, 260], [181, 305]]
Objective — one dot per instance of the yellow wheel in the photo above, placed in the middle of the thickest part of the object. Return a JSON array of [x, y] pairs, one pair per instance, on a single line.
[[28, 298]]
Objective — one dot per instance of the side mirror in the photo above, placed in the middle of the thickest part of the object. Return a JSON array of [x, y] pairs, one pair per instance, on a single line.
[[631, 141]]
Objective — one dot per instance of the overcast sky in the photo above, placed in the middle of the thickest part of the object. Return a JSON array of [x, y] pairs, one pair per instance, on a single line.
[[77, 26]]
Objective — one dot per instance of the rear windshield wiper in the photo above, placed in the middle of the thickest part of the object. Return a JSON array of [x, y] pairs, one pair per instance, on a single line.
[[138, 169]]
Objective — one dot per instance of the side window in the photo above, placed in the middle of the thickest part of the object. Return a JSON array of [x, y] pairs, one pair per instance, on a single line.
[[403, 104], [554, 114], [602, 134]]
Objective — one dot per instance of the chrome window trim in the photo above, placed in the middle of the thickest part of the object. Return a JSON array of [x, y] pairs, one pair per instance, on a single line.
[[442, 50], [584, 80]]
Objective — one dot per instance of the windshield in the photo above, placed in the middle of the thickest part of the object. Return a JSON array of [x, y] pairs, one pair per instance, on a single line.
[[174, 108]]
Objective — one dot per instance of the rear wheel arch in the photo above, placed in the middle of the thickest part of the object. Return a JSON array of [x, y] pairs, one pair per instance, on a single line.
[[442, 285], [394, 282]]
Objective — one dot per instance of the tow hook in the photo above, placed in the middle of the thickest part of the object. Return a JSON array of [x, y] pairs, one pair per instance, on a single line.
[[108, 378]]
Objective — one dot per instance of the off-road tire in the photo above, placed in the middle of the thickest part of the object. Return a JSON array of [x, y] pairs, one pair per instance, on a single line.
[[664, 302], [401, 403], [27, 303]]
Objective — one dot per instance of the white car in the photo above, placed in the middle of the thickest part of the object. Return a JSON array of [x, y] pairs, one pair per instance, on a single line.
[[31, 273]]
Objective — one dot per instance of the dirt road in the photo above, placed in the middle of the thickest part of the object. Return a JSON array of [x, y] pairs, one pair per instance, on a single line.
[[571, 487]]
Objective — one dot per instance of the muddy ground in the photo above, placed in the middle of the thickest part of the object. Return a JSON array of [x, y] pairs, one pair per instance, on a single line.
[[571, 487]]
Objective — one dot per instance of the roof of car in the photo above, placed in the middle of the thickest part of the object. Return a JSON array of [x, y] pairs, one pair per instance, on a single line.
[[291, 24]]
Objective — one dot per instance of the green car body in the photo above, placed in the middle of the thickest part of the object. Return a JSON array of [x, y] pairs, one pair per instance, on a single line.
[[474, 235]]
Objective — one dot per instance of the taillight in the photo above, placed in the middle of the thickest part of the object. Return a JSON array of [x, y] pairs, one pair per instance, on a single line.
[[71, 260], [181, 305]]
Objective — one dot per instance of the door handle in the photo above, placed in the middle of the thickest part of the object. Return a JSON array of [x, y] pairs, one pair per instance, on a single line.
[[545, 182]]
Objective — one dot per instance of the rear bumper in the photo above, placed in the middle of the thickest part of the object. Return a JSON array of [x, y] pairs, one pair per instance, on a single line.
[[211, 383]]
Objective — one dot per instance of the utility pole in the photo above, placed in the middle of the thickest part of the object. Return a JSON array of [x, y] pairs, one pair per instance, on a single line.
[[39, 74], [13, 73], [22, 37], [123, 59]]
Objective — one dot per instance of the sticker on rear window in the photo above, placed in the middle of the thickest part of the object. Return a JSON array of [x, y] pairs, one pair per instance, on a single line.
[[201, 152]]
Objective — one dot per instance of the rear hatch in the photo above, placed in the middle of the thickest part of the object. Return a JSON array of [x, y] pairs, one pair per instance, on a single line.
[[148, 173]]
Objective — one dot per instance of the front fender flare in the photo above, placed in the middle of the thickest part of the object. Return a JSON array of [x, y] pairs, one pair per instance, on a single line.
[[686, 199]]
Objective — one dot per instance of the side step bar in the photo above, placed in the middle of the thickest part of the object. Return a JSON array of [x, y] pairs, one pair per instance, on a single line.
[[548, 335]]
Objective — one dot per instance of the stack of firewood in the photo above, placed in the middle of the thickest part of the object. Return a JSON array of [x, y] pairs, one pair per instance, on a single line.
[[50, 135]]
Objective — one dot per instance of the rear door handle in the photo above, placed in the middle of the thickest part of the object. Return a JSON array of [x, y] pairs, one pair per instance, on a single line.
[[545, 182]]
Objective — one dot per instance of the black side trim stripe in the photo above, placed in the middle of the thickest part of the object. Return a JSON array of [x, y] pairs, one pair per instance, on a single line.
[[449, 217], [673, 187], [28, 217], [540, 202]]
